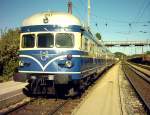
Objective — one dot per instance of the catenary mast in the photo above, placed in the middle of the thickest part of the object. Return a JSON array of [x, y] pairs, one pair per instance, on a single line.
[[89, 8]]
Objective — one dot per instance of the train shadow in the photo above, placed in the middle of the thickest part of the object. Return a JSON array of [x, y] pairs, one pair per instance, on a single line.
[[50, 95]]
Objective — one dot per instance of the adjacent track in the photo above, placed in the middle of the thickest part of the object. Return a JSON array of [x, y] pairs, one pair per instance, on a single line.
[[140, 80], [142, 66], [44, 106], [39, 107]]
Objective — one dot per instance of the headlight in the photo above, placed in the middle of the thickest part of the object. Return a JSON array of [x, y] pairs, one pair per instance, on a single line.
[[21, 63], [68, 64]]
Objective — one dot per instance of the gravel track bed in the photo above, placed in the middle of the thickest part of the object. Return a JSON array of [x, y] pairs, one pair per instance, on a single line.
[[49, 105], [140, 85]]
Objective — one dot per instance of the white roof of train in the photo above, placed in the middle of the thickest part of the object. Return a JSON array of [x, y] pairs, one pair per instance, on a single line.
[[51, 18]]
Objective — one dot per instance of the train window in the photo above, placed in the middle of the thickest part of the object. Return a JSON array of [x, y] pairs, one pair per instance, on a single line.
[[86, 44], [28, 41], [64, 40], [45, 40]]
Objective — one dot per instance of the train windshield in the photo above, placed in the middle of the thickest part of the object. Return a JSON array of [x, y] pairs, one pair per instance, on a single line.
[[28, 41], [64, 40], [45, 40]]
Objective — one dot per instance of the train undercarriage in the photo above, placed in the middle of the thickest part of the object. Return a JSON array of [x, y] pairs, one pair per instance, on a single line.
[[44, 87], [57, 86]]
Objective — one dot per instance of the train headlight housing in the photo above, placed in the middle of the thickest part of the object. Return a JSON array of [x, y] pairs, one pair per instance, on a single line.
[[68, 64], [69, 56]]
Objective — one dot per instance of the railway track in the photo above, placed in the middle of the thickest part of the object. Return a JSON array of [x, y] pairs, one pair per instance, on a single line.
[[142, 66], [44, 106], [11, 100], [47, 105], [40, 106], [140, 80]]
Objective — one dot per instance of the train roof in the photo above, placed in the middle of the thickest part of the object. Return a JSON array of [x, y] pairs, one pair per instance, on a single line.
[[51, 18]]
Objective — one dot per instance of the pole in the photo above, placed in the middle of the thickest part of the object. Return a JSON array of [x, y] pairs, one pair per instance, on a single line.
[[89, 8], [69, 7]]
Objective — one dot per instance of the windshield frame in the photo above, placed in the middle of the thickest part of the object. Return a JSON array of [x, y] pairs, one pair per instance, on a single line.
[[52, 36], [41, 48], [72, 39], [22, 41]]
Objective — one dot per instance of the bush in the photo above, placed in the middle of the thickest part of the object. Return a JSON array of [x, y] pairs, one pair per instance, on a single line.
[[9, 45]]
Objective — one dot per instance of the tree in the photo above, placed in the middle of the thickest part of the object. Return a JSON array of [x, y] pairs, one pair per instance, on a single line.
[[148, 52], [98, 36], [9, 45], [120, 55]]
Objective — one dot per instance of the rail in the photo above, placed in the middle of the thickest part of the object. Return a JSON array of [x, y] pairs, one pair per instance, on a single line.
[[140, 80]]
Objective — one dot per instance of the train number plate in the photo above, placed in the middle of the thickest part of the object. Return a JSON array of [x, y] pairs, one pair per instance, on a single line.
[[50, 77]]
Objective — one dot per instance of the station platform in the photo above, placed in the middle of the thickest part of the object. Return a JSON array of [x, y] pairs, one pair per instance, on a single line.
[[10, 89], [104, 98], [10, 86]]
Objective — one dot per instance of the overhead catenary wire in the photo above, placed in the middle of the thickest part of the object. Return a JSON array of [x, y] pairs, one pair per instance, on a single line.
[[76, 9], [141, 11], [83, 4], [81, 9], [115, 20], [127, 23]]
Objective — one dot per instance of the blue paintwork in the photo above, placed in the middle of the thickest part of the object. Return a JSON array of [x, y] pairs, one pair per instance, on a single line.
[[79, 63], [53, 52], [56, 28], [37, 28], [53, 67]]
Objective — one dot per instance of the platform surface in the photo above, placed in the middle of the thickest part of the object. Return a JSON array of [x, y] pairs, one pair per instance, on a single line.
[[104, 98], [11, 86]]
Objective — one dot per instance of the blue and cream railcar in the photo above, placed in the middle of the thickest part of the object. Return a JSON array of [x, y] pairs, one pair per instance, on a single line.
[[56, 47]]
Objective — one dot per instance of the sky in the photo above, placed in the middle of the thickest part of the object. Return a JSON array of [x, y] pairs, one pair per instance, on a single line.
[[115, 20]]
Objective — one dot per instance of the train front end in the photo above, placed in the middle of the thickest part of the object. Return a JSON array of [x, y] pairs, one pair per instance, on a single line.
[[49, 55]]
